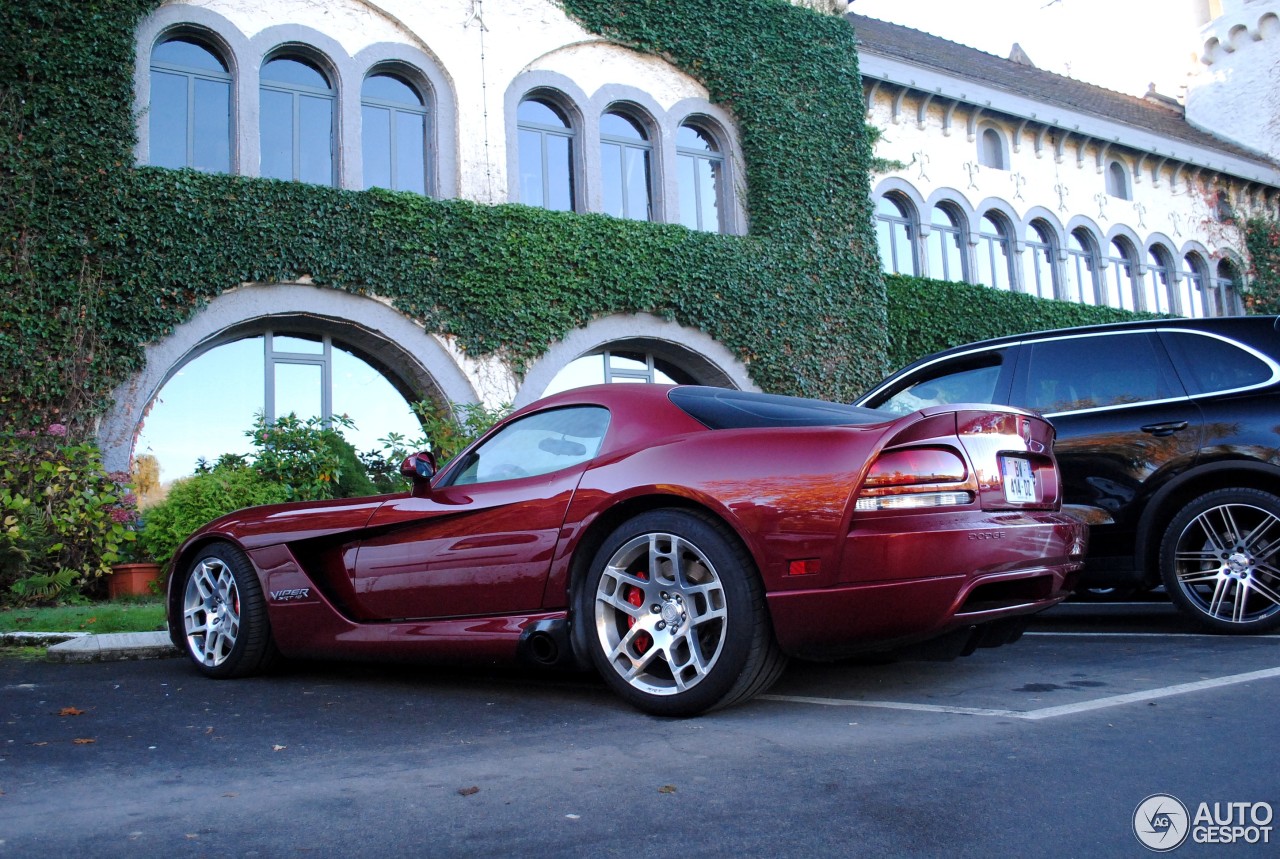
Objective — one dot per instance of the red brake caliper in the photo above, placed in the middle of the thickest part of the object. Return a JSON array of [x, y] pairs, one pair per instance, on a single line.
[[635, 596]]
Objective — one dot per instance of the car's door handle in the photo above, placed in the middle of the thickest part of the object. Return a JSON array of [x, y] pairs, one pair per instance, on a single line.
[[1165, 429]]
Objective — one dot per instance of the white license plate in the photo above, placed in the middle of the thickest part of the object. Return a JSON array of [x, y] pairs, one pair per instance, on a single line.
[[1019, 480]]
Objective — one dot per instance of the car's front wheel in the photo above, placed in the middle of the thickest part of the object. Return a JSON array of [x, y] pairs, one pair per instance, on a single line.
[[224, 616], [1220, 560], [675, 615]]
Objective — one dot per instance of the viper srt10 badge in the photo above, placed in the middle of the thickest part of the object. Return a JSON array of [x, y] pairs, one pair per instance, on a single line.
[[290, 594]]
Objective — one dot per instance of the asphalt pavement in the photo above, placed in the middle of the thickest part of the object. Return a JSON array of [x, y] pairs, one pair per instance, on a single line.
[[1045, 747]]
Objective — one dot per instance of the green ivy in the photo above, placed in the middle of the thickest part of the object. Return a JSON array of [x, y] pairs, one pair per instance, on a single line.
[[927, 316], [1262, 241], [99, 258]]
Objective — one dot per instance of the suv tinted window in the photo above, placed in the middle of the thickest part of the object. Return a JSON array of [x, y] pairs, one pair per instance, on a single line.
[[967, 379], [1089, 372], [1208, 364]]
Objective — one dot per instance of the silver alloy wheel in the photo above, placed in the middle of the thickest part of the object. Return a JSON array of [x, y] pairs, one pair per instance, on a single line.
[[1227, 563], [211, 611], [660, 613]]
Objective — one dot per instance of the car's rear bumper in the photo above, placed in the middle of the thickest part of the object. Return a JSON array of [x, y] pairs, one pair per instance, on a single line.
[[961, 580]]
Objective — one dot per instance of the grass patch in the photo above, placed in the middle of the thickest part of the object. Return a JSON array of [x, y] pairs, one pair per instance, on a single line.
[[116, 616]]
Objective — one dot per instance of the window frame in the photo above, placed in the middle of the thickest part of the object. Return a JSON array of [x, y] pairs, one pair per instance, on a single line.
[[425, 110], [1127, 260], [907, 222], [953, 230], [569, 132], [645, 146], [1118, 182], [297, 92], [1160, 282], [719, 162], [1079, 263], [986, 251], [1044, 241], [996, 156], [192, 75]]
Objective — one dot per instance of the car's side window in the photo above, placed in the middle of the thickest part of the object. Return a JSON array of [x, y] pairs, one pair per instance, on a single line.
[[1209, 364], [966, 379], [1073, 373], [538, 444]]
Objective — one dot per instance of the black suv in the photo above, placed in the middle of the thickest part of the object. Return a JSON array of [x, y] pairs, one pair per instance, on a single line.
[[1168, 441]]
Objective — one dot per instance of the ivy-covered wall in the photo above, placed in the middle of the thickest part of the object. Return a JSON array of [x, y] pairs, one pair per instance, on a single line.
[[927, 316], [100, 257], [1262, 242]]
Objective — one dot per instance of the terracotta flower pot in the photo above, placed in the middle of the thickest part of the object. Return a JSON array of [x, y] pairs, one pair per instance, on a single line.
[[132, 580]]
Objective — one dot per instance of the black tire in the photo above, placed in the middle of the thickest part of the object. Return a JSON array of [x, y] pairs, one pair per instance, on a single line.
[[674, 615], [1220, 560], [222, 616]]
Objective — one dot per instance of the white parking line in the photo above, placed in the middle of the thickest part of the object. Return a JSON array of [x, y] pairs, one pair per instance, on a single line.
[[1045, 712]]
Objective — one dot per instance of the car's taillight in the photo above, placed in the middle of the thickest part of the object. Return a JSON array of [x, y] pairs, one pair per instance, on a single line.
[[916, 478]]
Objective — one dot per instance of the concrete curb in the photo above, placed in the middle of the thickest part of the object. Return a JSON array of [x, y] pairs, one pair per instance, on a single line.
[[113, 647], [35, 639]]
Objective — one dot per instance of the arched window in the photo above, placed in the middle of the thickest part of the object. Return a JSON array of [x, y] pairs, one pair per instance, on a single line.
[[1122, 277], [991, 149], [190, 116], [1080, 275], [895, 234], [273, 373], [945, 245], [393, 119], [297, 121], [1226, 290], [1193, 298], [546, 156], [1038, 260], [993, 253], [1118, 181], [625, 155], [609, 366], [1157, 288], [700, 169]]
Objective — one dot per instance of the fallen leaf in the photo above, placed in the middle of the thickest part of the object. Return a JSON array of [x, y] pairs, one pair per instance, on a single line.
[[70, 711], [278, 748], [83, 741], [209, 730], [468, 791], [40, 744], [667, 788]]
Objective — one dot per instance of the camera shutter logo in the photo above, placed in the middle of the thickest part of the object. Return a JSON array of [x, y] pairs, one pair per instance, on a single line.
[[1161, 822]]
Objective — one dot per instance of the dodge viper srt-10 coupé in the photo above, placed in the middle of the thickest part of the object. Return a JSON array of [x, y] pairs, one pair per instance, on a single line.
[[683, 541]]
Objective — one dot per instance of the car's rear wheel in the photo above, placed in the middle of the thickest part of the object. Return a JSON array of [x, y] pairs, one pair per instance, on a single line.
[[224, 616], [1220, 560], [676, 618]]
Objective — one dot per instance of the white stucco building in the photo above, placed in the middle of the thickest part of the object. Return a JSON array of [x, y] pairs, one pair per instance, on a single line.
[[1026, 180], [1012, 176], [490, 102]]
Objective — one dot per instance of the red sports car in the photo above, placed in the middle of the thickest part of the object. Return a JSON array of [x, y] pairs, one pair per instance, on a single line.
[[682, 540]]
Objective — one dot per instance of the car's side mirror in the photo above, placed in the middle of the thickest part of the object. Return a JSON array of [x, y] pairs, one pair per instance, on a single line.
[[419, 467]]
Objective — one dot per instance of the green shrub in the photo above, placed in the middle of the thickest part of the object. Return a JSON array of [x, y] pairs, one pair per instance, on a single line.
[[64, 520], [194, 501], [927, 316], [310, 458]]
